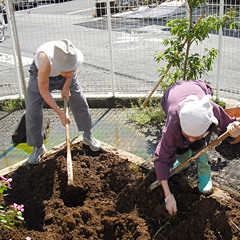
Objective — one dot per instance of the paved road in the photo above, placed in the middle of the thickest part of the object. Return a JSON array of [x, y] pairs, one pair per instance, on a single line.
[[134, 42]]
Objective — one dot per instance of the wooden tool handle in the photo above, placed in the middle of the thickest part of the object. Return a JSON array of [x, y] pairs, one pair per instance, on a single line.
[[200, 153], [69, 156], [196, 156]]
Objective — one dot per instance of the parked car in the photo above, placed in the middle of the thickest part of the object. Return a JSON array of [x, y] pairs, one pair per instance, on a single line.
[[23, 4]]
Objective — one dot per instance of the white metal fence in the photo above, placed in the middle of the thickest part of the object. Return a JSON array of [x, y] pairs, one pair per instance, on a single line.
[[118, 46]]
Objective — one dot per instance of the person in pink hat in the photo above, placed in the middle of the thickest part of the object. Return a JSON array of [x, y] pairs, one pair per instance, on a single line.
[[191, 116], [54, 68]]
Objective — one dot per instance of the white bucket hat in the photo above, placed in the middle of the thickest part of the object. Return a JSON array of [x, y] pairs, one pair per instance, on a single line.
[[66, 56], [196, 115]]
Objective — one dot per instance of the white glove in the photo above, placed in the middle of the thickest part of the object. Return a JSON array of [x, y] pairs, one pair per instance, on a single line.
[[234, 129], [171, 204]]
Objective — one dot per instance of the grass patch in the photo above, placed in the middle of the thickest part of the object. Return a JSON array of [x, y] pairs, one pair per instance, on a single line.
[[152, 113], [12, 104]]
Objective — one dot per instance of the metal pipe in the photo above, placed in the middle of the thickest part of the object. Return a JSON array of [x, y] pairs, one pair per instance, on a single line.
[[111, 46], [219, 62], [16, 48]]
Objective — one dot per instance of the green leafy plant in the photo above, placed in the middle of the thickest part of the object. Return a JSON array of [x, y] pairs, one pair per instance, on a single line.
[[190, 65], [12, 104], [14, 214], [151, 114], [220, 103], [163, 225]]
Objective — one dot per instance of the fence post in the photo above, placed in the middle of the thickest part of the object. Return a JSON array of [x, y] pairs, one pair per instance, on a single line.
[[219, 63], [16, 49], [110, 46]]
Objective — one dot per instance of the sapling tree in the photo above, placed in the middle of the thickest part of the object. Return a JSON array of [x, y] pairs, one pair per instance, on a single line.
[[190, 65]]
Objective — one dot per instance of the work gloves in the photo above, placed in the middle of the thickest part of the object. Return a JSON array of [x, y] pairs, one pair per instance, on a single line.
[[234, 129], [171, 204]]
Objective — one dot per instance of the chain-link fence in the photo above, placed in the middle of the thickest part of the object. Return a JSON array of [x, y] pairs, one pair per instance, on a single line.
[[118, 45]]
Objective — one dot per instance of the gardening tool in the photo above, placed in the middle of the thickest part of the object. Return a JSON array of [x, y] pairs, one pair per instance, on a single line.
[[69, 156], [191, 159]]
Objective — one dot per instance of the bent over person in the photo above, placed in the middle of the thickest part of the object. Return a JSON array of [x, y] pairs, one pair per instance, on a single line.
[[191, 116], [54, 67]]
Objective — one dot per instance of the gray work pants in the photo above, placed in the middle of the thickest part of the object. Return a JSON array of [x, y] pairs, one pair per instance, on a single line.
[[34, 106]]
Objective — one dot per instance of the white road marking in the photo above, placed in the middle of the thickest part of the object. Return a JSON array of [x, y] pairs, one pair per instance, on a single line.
[[7, 58], [83, 10]]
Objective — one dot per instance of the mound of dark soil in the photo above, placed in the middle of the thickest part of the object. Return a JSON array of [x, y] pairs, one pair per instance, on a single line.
[[109, 201]]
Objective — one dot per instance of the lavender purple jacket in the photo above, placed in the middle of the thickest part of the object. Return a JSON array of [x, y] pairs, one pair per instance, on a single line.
[[172, 136]]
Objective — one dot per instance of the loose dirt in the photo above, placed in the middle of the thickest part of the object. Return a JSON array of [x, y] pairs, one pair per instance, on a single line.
[[109, 201]]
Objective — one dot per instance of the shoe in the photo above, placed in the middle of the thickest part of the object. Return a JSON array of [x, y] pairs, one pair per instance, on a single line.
[[36, 154], [205, 185], [92, 142], [204, 175]]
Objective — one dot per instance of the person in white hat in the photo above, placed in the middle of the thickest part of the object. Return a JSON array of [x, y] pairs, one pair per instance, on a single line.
[[54, 67], [191, 116]]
